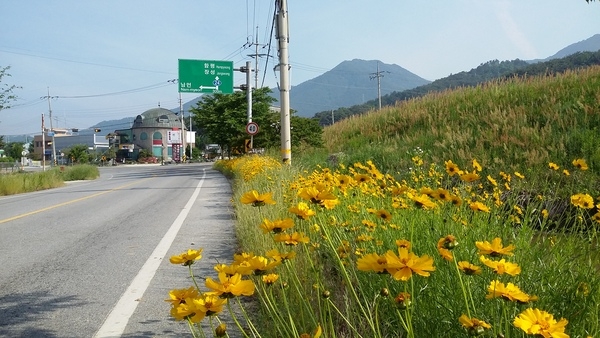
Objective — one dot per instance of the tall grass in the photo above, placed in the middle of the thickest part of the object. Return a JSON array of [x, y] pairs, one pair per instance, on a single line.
[[22, 182]]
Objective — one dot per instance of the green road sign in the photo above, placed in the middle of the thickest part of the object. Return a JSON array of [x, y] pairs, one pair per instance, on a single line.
[[205, 76]]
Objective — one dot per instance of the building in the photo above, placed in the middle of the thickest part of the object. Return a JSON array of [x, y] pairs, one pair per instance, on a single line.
[[60, 140], [158, 131]]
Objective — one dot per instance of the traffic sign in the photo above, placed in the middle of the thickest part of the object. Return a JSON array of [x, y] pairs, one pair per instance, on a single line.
[[205, 76], [252, 128]]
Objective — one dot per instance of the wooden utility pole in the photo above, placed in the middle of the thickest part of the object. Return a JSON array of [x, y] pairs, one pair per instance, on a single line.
[[284, 74]]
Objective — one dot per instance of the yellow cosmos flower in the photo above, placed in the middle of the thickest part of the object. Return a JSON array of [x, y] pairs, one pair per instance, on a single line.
[[553, 166], [476, 165], [495, 248], [492, 181], [566, 172], [468, 268], [470, 177], [302, 211], [583, 201], [444, 245], [473, 325], [441, 194], [541, 323], [270, 279], [580, 164], [277, 225], [519, 175], [178, 296], [257, 199], [221, 330], [502, 266], [509, 292], [402, 243], [451, 168], [362, 178], [259, 265], [230, 286], [209, 304], [403, 300], [403, 265], [478, 206], [384, 215], [319, 194], [456, 200], [187, 258], [280, 256], [596, 217], [372, 262], [422, 201], [317, 334], [291, 239], [545, 213]]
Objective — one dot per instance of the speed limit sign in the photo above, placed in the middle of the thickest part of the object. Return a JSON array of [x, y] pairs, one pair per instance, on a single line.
[[252, 128]]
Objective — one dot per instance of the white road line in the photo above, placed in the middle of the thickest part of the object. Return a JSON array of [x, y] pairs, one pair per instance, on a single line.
[[117, 320]]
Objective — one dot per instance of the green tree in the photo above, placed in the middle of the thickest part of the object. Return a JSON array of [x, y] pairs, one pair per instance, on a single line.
[[6, 91], [223, 117], [13, 150], [78, 153], [2, 144]]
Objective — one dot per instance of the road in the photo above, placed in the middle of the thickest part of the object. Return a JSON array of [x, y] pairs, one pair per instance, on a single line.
[[91, 259]]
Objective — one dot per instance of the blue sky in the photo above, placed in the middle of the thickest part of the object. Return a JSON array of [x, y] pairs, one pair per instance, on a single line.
[[91, 48]]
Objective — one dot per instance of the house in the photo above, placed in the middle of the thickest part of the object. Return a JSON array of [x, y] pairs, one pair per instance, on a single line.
[[158, 131]]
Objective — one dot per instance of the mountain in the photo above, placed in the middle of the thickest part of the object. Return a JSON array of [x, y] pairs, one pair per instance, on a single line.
[[588, 45], [350, 82]]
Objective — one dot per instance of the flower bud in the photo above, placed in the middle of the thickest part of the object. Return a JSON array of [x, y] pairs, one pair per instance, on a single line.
[[325, 294], [221, 330], [384, 292]]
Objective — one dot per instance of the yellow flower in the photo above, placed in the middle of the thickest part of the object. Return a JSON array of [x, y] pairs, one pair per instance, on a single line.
[[270, 279], [451, 168], [187, 258], [473, 325], [596, 217], [178, 296], [545, 213], [553, 166], [422, 201], [316, 334], [221, 330], [478, 206], [584, 201], [469, 177], [456, 200], [494, 249], [444, 245], [476, 165], [492, 181], [256, 199], [403, 265], [372, 262], [302, 210], [402, 243], [384, 215], [468, 268], [280, 256], [259, 265], [502, 266], [580, 164], [319, 194], [441, 194], [209, 304], [509, 292], [541, 323], [566, 172], [519, 175], [230, 286], [291, 239], [277, 225], [403, 300]]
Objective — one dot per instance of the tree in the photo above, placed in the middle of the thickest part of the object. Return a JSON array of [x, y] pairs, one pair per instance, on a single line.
[[2, 144], [78, 153], [6, 95], [223, 117], [13, 150]]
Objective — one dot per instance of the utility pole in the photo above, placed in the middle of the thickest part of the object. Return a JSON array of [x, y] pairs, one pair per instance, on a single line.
[[256, 55], [378, 75], [53, 157], [284, 87], [43, 144]]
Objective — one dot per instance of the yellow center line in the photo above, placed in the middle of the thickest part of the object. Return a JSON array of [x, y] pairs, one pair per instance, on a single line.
[[69, 202]]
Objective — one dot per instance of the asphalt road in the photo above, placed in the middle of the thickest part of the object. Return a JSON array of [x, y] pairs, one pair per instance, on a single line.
[[91, 259]]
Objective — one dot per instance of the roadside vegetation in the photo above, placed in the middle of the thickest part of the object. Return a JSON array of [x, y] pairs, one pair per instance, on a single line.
[[469, 212], [21, 182]]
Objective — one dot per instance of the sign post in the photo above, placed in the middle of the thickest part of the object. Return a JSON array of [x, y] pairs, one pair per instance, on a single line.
[[205, 76]]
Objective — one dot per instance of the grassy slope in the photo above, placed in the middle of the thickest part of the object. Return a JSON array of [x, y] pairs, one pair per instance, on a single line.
[[518, 124]]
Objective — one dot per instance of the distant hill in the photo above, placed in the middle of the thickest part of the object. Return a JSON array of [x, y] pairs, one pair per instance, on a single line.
[[588, 45], [350, 82]]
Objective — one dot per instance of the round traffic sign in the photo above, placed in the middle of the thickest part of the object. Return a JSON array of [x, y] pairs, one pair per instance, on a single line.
[[252, 128]]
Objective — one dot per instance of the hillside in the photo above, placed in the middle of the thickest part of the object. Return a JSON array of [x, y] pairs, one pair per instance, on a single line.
[[347, 84], [511, 124], [485, 72]]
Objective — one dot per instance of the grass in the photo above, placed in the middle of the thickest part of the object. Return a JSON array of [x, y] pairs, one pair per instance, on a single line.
[[22, 182], [515, 145]]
